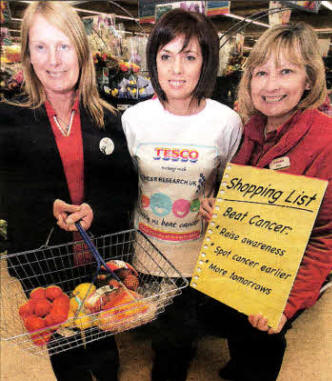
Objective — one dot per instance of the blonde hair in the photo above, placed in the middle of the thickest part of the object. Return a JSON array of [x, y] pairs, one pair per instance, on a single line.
[[62, 16], [299, 44]]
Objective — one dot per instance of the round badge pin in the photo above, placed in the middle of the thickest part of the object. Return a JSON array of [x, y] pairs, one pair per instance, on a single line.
[[106, 146]]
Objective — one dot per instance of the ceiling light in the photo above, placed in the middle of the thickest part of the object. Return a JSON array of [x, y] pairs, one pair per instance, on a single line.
[[248, 20], [327, 4]]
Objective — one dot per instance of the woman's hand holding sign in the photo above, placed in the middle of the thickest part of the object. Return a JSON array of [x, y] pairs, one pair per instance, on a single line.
[[206, 208], [260, 322]]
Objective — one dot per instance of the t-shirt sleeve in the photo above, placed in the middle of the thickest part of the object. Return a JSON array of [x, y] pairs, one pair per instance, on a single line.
[[128, 130], [235, 137], [229, 141]]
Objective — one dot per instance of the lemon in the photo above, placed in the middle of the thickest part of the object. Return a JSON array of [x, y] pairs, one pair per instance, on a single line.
[[84, 290]]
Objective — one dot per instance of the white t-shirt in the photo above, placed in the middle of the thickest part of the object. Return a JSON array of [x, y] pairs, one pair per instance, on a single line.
[[180, 161]]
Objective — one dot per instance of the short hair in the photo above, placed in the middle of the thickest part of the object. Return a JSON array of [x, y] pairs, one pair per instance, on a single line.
[[189, 24], [62, 16], [300, 45]]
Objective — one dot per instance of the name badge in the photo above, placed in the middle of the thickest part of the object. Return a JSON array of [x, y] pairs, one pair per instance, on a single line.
[[280, 163]]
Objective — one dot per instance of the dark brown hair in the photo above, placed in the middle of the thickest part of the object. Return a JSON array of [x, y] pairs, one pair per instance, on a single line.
[[189, 24]]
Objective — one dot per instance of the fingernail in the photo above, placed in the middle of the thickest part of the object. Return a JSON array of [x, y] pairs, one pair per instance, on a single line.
[[69, 221]]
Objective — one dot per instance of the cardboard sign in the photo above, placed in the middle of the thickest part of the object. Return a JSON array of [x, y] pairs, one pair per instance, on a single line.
[[255, 241]]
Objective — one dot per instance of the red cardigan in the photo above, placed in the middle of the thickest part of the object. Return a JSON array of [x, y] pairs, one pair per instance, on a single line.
[[306, 139], [71, 152]]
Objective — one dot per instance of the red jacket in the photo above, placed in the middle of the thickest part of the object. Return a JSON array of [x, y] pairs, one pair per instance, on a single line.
[[306, 139]]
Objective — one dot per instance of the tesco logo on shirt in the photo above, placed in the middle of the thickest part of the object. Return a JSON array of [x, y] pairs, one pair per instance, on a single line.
[[176, 154]]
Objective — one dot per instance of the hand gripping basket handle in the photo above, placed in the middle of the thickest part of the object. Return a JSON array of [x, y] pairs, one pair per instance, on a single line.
[[98, 257]]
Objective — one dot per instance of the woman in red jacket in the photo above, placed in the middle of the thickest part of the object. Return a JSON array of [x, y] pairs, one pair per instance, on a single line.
[[282, 86]]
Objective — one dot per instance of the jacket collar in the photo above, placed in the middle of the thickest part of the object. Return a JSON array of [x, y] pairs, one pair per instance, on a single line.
[[256, 126], [289, 135]]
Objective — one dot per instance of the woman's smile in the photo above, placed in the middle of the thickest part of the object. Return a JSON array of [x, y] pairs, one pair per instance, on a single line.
[[56, 74], [274, 98], [176, 83]]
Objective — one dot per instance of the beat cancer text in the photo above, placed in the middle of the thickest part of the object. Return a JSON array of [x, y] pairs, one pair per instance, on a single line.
[[257, 221]]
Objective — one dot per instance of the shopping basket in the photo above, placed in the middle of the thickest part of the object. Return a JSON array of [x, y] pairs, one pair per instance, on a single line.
[[51, 267]]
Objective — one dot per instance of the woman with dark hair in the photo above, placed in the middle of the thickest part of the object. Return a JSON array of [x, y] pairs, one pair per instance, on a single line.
[[282, 86], [181, 141]]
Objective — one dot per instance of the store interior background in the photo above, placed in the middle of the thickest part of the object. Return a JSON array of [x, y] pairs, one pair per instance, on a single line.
[[118, 38], [118, 42]]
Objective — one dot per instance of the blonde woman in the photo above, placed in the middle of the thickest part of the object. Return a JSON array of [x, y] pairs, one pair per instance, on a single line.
[[283, 85], [63, 154]]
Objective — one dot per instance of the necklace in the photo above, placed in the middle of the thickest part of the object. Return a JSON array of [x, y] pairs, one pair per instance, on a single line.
[[65, 131]]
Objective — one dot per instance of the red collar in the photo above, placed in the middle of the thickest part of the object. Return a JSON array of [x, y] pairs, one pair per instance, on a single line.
[[255, 127], [288, 135], [51, 112]]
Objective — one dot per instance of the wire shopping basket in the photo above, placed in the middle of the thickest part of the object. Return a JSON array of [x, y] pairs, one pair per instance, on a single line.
[[50, 305]]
